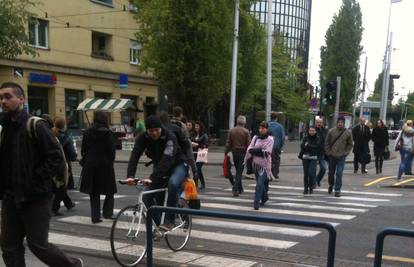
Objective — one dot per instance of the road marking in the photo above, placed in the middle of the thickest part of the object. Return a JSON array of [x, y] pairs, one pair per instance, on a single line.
[[181, 257], [318, 207], [218, 236], [272, 192], [279, 211], [303, 199], [380, 180], [403, 182], [102, 197], [63, 204], [362, 199], [343, 191], [256, 228], [298, 205], [392, 258]]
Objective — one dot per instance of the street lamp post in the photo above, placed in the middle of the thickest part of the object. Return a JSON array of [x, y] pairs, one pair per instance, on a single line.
[[234, 65], [269, 61], [386, 67]]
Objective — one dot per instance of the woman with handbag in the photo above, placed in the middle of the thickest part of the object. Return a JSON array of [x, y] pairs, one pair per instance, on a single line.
[[381, 142], [98, 175], [310, 150], [199, 141], [260, 151]]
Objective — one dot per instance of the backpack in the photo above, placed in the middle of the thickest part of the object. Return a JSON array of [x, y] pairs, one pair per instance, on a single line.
[[62, 177]]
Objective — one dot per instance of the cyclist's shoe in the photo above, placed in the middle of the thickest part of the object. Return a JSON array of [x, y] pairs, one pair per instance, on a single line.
[[166, 227]]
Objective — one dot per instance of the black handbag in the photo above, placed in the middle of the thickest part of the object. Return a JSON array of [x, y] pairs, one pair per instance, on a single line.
[[387, 154]]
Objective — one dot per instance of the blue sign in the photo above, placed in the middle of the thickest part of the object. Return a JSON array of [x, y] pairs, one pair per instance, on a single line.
[[42, 78], [26, 107], [123, 81]]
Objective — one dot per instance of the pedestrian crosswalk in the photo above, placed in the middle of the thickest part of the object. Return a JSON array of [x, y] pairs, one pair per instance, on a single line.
[[284, 201]]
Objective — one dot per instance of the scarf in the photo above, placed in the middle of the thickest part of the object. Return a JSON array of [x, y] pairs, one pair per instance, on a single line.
[[261, 163]]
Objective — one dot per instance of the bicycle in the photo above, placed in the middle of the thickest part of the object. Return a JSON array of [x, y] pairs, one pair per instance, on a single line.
[[128, 232]]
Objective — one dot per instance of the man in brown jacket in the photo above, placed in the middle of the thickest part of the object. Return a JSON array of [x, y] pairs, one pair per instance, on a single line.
[[237, 142], [338, 144]]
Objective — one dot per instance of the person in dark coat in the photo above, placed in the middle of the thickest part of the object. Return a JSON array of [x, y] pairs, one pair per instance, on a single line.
[[310, 150], [361, 135], [98, 175], [381, 141], [321, 132]]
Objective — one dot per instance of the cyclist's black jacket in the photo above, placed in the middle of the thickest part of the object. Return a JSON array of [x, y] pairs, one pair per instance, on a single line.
[[165, 154]]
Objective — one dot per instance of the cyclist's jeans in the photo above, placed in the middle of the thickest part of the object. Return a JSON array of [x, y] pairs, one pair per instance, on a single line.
[[174, 189]]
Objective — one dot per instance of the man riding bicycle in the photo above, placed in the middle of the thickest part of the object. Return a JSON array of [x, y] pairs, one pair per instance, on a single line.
[[169, 167]]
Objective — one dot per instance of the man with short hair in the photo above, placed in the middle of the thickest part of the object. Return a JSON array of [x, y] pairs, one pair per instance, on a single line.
[[321, 133], [169, 170], [27, 164], [338, 144], [278, 132], [238, 141], [361, 135]]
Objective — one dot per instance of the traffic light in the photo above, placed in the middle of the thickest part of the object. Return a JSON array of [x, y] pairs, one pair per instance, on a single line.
[[331, 92]]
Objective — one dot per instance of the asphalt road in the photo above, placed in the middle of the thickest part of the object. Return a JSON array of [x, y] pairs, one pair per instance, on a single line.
[[358, 216]]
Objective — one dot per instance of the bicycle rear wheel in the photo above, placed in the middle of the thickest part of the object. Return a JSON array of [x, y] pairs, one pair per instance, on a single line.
[[178, 237], [128, 236]]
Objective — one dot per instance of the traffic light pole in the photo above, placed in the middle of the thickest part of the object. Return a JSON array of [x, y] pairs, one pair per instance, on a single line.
[[338, 95]]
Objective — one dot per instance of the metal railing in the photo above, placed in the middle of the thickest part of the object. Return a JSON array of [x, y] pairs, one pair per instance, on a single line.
[[379, 246], [241, 217]]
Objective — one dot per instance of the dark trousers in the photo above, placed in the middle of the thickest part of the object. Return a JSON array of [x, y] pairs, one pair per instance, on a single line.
[[238, 159], [336, 170], [379, 160], [108, 206], [200, 176], [275, 162], [30, 220], [359, 157], [309, 173], [61, 194], [71, 182]]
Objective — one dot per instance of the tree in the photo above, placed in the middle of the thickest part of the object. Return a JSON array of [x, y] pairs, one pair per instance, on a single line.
[[288, 94], [339, 56], [14, 17], [377, 94], [188, 46]]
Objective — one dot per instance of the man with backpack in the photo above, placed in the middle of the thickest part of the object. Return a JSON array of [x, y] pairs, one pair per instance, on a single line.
[[27, 165]]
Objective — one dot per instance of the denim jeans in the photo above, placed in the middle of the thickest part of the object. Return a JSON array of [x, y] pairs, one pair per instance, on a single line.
[[322, 168], [262, 187], [336, 165], [174, 190], [406, 160], [275, 162], [238, 159], [309, 173]]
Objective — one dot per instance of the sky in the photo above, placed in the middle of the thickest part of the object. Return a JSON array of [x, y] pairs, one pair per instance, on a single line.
[[374, 21]]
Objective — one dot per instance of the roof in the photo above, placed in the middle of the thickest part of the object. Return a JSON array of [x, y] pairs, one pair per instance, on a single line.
[[106, 104]]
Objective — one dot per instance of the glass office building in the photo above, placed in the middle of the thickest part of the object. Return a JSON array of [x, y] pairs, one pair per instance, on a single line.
[[291, 18]]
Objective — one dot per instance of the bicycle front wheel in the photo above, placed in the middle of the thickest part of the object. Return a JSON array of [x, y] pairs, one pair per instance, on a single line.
[[128, 236], [178, 237]]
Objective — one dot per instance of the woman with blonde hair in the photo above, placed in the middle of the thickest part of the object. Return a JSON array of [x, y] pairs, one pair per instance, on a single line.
[[405, 145]]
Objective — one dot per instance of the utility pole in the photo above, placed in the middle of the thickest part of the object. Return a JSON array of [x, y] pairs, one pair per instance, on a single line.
[[361, 112], [338, 95], [269, 60], [234, 65], [386, 82]]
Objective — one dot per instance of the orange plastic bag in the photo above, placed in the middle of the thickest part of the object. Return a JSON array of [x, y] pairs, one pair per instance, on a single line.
[[190, 189]]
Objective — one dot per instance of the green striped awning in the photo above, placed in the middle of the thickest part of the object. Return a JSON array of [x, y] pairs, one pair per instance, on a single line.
[[106, 104]]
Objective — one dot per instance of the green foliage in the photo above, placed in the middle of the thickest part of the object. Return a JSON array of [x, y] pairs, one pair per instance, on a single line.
[[14, 17], [377, 94], [288, 94], [339, 56]]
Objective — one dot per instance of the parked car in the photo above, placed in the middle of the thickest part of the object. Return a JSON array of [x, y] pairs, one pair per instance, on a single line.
[[122, 132], [393, 134]]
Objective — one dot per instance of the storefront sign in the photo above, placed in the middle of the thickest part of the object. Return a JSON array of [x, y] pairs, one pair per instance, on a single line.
[[42, 78], [123, 81]]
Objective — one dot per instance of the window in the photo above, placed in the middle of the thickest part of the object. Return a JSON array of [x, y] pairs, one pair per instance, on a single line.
[[38, 33], [101, 45], [134, 51]]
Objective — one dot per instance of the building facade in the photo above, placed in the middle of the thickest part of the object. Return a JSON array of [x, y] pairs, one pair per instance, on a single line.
[[86, 49], [291, 19]]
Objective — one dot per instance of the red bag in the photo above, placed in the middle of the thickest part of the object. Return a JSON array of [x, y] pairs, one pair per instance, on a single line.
[[226, 165]]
